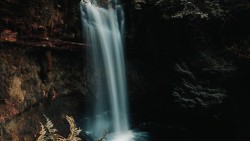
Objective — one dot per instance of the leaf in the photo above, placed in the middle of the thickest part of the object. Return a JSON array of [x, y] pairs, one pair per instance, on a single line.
[[43, 132], [47, 132], [73, 129], [49, 125]]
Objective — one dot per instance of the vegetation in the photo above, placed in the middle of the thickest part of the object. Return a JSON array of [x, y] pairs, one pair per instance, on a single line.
[[48, 133], [192, 9], [191, 92], [105, 133]]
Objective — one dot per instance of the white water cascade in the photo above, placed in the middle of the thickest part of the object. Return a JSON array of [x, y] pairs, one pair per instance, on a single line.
[[103, 25]]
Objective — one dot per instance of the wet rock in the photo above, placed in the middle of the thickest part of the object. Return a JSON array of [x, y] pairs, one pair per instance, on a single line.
[[25, 96]]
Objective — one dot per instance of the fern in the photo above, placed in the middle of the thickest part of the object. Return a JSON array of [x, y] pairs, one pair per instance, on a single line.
[[49, 126], [43, 132], [74, 131], [48, 133]]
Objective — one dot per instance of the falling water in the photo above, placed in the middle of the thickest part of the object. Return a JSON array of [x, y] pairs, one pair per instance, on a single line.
[[103, 24]]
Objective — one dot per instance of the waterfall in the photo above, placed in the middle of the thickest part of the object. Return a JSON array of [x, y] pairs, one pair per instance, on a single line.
[[103, 25]]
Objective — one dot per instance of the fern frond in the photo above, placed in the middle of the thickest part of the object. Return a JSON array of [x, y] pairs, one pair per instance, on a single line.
[[74, 131], [49, 126], [43, 132], [47, 132], [59, 138]]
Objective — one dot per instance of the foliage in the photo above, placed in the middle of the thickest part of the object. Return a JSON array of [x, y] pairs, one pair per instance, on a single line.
[[48, 133], [192, 9], [74, 131], [191, 93]]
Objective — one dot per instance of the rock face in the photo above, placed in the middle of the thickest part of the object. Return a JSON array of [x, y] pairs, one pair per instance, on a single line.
[[44, 18], [35, 82], [42, 66]]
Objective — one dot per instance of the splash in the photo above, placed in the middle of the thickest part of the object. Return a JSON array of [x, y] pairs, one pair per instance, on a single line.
[[126, 136]]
